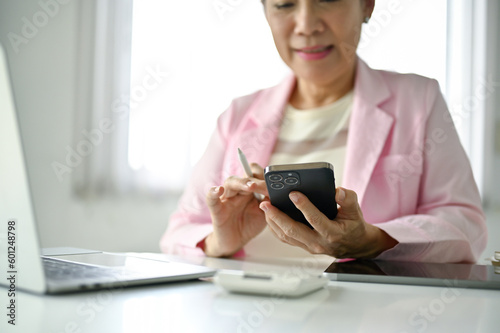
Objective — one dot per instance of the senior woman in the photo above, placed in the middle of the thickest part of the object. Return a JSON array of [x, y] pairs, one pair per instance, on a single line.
[[407, 192]]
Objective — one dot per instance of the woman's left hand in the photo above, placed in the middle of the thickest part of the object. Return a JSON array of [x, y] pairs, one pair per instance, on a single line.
[[347, 236]]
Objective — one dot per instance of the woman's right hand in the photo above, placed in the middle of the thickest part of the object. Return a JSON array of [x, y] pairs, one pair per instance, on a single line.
[[235, 212]]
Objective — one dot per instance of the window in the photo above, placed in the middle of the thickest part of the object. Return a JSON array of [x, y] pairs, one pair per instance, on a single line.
[[398, 38], [210, 55]]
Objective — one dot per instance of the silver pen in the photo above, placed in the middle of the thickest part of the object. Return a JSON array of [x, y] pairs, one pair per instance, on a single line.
[[248, 171]]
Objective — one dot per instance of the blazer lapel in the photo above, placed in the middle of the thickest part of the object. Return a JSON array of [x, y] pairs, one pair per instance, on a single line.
[[369, 128], [260, 131]]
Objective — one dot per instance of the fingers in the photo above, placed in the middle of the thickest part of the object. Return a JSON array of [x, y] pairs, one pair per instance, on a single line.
[[257, 170], [260, 187], [246, 185], [213, 195], [340, 238], [348, 202], [285, 239], [313, 215], [340, 195], [258, 173], [213, 198], [235, 185], [286, 229]]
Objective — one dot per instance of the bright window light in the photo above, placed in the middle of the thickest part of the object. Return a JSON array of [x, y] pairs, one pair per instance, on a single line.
[[208, 54], [211, 55], [408, 37]]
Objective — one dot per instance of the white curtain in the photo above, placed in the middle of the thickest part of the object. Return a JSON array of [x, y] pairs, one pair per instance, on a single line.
[[471, 83], [101, 122]]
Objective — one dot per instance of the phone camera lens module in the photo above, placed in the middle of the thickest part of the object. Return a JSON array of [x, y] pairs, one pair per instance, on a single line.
[[291, 181], [275, 178], [277, 186]]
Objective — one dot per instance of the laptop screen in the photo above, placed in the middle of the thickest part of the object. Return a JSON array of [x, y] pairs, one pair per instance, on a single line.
[[19, 244]]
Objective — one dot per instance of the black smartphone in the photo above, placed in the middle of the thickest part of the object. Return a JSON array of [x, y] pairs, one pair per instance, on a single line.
[[314, 180]]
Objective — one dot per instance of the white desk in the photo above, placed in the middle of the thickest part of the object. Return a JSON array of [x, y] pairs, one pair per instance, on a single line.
[[200, 306]]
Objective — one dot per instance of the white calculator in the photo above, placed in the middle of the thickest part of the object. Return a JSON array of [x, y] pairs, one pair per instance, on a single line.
[[281, 284]]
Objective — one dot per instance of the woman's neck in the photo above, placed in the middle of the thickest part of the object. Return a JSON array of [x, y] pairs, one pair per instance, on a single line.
[[308, 95]]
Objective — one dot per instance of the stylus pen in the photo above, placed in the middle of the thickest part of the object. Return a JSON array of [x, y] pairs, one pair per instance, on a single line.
[[248, 171]]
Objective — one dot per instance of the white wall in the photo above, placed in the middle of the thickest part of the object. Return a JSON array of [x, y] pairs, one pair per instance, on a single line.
[[44, 79]]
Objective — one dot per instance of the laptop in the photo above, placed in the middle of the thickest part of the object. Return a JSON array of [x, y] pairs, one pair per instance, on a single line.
[[68, 270]]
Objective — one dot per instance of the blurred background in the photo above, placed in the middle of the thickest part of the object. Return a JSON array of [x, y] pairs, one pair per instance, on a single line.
[[117, 99]]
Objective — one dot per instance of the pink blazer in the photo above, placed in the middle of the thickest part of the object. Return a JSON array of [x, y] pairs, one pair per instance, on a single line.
[[404, 160]]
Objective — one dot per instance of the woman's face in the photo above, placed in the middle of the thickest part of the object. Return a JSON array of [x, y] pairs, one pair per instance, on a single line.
[[317, 39]]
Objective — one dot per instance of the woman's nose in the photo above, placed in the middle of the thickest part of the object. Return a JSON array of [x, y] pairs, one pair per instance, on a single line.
[[307, 21]]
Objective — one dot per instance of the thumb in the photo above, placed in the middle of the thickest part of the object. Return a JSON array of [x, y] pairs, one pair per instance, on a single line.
[[348, 202], [213, 199], [257, 170]]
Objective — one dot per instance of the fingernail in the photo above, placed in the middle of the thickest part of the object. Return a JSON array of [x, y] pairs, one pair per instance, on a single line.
[[341, 195], [294, 197], [250, 183], [216, 189], [263, 207]]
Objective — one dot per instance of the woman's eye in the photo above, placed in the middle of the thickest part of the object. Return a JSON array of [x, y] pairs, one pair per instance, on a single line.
[[283, 5]]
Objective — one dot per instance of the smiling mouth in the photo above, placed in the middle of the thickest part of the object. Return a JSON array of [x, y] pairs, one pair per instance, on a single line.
[[312, 50], [314, 53]]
